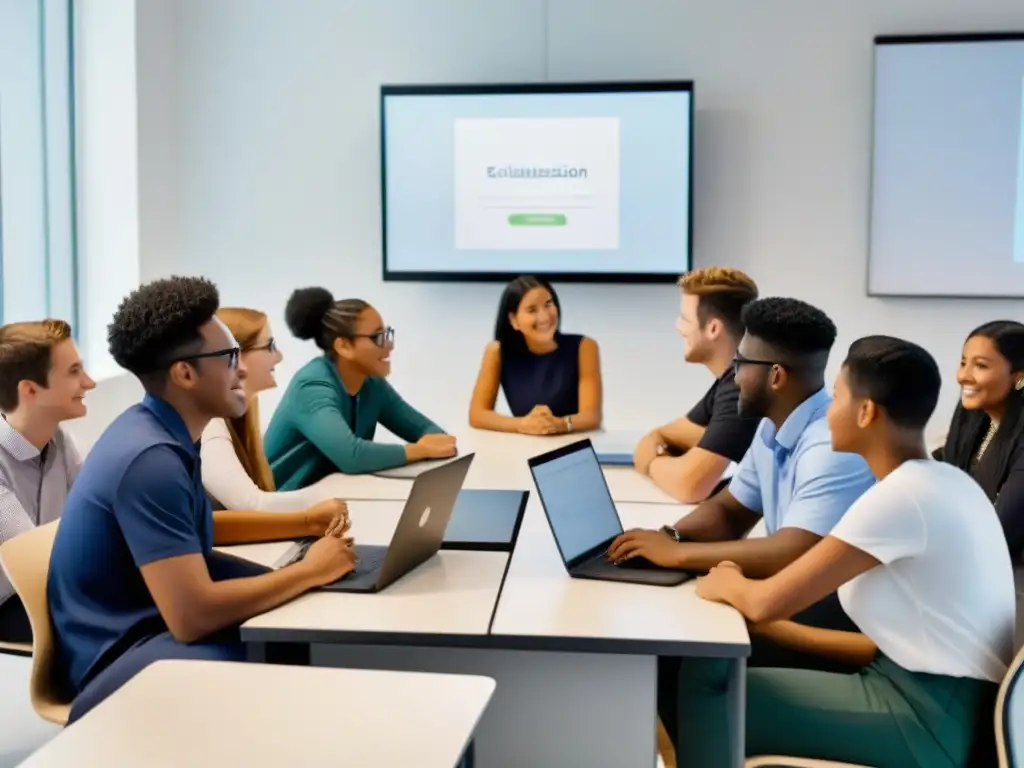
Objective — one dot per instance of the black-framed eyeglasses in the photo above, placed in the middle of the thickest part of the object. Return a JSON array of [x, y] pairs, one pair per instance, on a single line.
[[739, 361], [231, 353], [380, 338], [270, 346]]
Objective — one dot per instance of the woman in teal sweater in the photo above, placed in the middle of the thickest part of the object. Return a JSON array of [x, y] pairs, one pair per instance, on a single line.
[[327, 418]]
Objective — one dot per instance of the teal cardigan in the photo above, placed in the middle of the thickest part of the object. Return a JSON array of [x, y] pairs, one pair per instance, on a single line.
[[319, 428]]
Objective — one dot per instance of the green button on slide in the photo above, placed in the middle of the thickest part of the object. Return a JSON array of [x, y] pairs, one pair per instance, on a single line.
[[537, 219]]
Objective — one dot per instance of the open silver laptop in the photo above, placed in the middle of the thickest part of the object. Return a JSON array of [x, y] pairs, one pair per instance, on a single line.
[[417, 537], [584, 520]]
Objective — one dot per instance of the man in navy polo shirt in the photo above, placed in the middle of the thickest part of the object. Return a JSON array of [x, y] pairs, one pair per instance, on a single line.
[[133, 575]]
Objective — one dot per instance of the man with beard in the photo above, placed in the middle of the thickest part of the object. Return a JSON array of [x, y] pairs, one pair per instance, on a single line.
[[688, 457], [790, 476]]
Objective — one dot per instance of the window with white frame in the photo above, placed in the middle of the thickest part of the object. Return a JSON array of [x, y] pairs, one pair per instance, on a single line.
[[37, 180]]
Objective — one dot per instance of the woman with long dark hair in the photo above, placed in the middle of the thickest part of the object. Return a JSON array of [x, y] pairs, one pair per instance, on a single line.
[[986, 436], [551, 380]]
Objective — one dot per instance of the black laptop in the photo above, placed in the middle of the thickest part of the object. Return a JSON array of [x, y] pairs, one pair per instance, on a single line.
[[584, 520], [417, 537]]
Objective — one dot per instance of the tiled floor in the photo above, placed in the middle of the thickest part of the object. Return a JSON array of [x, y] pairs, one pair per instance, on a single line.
[[21, 730]]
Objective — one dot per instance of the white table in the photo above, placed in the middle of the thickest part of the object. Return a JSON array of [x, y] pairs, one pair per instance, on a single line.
[[199, 713], [575, 660], [500, 462]]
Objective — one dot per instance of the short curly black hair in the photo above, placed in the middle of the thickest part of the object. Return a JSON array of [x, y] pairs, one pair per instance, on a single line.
[[791, 326], [161, 320]]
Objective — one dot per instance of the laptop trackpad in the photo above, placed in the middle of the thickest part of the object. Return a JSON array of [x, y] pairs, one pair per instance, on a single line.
[[364, 577]]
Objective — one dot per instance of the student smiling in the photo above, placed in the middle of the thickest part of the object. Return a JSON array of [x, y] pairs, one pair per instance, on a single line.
[[551, 380], [986, 436], [327, 418]]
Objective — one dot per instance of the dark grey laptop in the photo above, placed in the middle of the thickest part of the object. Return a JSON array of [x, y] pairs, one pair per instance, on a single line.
[[584, 520], [417, 537]]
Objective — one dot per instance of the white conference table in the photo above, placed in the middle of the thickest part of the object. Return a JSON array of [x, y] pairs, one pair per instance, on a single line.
[[500, 463], [575, 660], [216, 714]]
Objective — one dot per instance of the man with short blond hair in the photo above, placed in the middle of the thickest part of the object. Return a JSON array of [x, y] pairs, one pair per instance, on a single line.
[[688, 457], [42, 383]]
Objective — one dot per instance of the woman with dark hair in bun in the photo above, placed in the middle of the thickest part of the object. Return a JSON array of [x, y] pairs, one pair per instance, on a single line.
[[327, 418]]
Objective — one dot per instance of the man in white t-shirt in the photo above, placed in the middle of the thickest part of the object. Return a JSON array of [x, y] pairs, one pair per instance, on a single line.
[[922, 568]]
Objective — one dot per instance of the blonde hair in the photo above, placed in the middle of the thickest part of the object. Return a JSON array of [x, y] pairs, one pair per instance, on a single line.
[[26, 351], [246, 325], [723, 293]]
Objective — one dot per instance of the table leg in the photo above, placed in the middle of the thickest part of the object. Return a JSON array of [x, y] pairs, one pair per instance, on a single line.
[[737, 711]]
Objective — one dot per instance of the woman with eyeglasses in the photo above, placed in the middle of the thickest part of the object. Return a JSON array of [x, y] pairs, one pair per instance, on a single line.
[[551, 380], [236, 474], [327, 418]]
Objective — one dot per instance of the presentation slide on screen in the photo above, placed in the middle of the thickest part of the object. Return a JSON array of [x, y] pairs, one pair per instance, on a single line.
[[947, 210], [579, 182]]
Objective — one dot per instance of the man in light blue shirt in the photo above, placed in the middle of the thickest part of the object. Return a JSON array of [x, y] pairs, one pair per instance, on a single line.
[[790, 476]]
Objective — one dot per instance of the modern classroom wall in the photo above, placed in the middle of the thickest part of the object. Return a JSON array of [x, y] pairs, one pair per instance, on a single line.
[[258, 146]]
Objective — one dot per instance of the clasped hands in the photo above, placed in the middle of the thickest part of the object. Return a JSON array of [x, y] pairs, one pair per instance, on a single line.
[[540, 421], [333, 555]]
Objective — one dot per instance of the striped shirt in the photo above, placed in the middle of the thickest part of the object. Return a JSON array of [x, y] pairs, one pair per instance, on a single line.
[[34, 484]]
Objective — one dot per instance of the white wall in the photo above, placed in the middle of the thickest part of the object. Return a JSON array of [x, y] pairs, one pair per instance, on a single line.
[[270, 178]]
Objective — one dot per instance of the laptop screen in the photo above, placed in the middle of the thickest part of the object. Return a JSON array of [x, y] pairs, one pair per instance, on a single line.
[[575, 496]]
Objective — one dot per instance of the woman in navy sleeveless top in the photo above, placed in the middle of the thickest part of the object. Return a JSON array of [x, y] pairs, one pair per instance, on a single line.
[[551, 380]]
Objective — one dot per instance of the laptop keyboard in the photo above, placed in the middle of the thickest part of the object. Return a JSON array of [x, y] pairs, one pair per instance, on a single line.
[[364, 564]]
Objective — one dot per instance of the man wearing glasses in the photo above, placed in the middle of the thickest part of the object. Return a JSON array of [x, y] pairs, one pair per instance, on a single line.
[[790, 477], [133, 576]]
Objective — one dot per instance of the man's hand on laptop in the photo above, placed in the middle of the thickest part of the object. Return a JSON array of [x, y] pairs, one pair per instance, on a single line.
[[329, 559], [650, 545], [328, 518]]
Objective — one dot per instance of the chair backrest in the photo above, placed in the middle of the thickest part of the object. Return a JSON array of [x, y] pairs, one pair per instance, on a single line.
[[1009, 716], [26, 561]]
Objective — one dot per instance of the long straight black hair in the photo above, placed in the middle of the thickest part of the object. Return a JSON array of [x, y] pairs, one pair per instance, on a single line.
[[968, 426], [512, 342]]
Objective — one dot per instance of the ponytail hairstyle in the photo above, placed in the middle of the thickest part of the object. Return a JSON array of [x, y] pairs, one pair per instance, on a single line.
[[511, 341], [246, 438], [313, 314], [969, 426]]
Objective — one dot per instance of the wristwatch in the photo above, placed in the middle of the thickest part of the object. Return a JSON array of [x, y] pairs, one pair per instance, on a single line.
[[568, 423], [672, 533]]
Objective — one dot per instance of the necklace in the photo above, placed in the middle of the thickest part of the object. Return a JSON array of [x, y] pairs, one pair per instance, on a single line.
[[993, 427]]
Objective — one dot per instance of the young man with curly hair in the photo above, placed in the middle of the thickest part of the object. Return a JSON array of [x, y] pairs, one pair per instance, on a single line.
[[42, 384], [688, 457], [133, 575]]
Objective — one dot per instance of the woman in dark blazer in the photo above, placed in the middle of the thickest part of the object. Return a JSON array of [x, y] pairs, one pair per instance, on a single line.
[[986, 436]]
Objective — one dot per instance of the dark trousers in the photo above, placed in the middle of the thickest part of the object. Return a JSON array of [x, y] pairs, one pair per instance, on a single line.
[[826, 614], [142, 654], [222, 646], [14, 626]]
